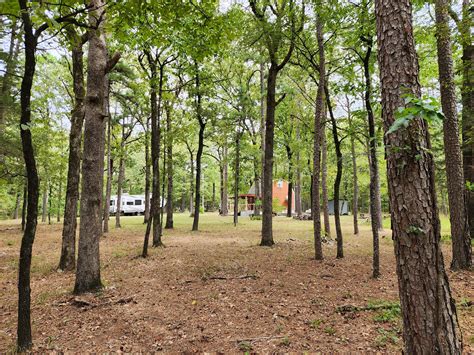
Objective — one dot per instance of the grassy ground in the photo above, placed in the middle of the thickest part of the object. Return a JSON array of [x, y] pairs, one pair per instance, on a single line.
[[216, 290]]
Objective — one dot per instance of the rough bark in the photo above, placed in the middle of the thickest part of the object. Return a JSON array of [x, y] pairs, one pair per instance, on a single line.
[[90, 229], [262, 132], [24, 340], [324, 179], [337, 180], [461, 240], [24, 206], [318, 125], [67, 260], [169, 169], [225, 196], [428, 310]]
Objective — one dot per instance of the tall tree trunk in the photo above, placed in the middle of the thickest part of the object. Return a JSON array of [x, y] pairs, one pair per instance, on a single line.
[[108, 184], [337, 180], [59, 196], [324, 179], [147, 172], [24, 340], [225, 197], [191, 185], [318, 118], [461, 240], [289, 154], [374, 185], [262, 134], [467, 93], [169, 152], [202, 127], [355, 181], [428, 310], [267, 216], [237, 179], [67, 261], [50, 198], [90, 229]]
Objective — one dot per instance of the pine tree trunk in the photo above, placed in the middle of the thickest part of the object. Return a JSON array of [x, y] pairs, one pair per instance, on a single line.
[[24, 340], [461, 240], [324, 179], [428, 310], [90, 229]]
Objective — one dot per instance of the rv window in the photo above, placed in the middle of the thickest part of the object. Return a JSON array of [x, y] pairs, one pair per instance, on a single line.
[[112, 202], [280, 184], [138, 202], [129, 203]]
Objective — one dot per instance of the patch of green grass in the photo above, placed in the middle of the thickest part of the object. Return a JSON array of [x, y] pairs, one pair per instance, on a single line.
[[389, 315], [245, 346]]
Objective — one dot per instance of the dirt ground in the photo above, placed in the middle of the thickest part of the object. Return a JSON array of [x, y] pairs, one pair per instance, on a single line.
[[216, 291]]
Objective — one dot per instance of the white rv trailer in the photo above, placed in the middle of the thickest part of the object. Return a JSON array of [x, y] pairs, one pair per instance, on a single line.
[[131, 204]]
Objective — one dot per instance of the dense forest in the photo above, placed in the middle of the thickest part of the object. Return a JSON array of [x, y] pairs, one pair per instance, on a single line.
[[190, 109]]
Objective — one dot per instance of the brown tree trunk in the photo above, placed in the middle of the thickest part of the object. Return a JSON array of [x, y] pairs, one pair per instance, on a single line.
[[120, 180], [324, 179], [318, 127], [59, 197], [24, 340], [67, 261], [169, 152], [17, 205], [237, 178], [298, 208], [428, 310], [262, 133], [461, 240], [90, 229]]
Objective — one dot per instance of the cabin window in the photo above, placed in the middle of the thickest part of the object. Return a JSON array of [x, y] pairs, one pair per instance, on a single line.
[[129, 203], [138, 202], [112, 202]]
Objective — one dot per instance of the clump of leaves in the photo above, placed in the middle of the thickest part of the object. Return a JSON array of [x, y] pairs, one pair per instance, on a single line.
[[425, 107], [388, 315], [245, 346], [329, 330]]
